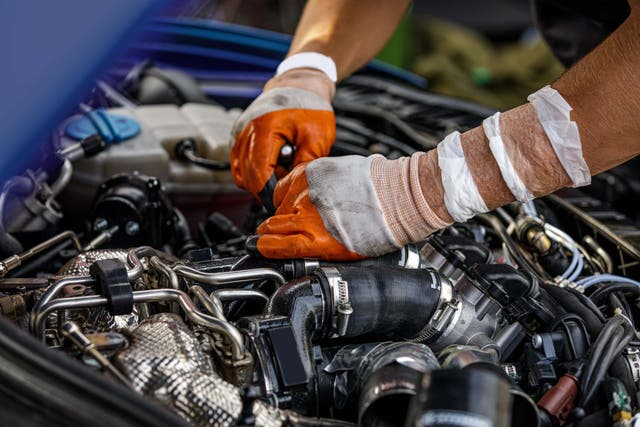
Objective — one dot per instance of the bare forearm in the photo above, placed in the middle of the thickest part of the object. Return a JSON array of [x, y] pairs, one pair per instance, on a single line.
[[350, 32], [604, 91]]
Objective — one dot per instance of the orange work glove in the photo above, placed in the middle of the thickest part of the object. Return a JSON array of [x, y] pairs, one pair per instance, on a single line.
[[297, 229], [294, 108], [347, 208]]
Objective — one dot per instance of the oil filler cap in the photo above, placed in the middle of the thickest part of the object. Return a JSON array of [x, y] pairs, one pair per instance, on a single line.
[[111, 276]]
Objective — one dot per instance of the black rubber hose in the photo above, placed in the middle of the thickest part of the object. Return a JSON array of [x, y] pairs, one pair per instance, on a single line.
[[184, 241], [571, 303], [389, 301], [603, 291], [386, 301]]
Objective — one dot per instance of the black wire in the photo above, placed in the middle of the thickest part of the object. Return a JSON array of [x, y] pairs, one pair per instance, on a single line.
[[621, 339], [614, 337], [383, 116], [599, 294], [205, 163], [587, 303], [599, 346]]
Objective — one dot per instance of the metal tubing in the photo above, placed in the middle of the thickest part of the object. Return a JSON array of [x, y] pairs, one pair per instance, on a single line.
[[15, 261], [211, 304], [146, 296], [240, 294], [165, 271], [52, 292], [229, 277]]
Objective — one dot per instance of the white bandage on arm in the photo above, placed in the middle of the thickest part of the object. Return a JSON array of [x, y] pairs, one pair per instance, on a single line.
[[554, 115], [491, 127], [314, 60], [461, 195]]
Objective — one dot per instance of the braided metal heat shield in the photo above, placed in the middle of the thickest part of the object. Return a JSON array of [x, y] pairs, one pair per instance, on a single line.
[[164, 361], [79, 266]]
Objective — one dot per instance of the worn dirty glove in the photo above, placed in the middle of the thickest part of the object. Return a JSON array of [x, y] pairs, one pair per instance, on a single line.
[[347, 208], [295, 108]]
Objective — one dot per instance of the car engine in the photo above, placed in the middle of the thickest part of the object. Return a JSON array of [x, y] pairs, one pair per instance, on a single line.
[[123, 248]]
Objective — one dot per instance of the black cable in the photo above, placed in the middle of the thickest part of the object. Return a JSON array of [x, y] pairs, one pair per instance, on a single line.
[[599, 294], [614, 337], [587, 303], [621, 339], [385, 117], [186, 150], [206, 163], [598, 348]]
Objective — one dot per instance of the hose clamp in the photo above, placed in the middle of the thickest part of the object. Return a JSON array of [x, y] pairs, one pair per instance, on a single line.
[[444, 313], [632, 355], [341, 308]]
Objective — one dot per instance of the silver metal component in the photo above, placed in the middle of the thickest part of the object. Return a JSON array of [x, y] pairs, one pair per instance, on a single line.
[[80, 265], [56, 287], [434, 259], [238, 295], [153, 295], [601, 253], [133, 260], [101, 238], [165, 271], [100, 224], [446, 309], [310, 265], [632, 355], [131, 228], [341, 308], [15, 261], [64, 177], [165, 361], [411, 258], [229, 277], [211, 303], [512, 371], [464, 314], [344, 311], [72, 331], [536, 341]]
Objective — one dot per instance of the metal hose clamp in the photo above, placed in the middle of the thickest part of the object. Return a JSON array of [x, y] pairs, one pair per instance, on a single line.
[[341, 308], [444, 313]]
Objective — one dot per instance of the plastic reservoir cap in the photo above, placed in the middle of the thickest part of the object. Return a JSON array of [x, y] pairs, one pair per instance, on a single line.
[[112, 128]]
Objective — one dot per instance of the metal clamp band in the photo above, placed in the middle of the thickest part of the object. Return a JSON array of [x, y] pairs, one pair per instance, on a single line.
[[341, 308]]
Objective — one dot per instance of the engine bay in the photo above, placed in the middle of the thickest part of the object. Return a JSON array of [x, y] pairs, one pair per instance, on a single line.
[[124, 248]]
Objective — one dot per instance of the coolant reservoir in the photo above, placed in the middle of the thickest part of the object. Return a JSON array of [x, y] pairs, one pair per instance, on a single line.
[[152, 152]]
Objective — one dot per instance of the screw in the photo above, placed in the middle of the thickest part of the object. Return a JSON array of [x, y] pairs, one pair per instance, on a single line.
[[132, 228], [100, 224], [536, 341]]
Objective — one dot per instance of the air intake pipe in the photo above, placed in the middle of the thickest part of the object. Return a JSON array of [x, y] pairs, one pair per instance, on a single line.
[[347, 301]]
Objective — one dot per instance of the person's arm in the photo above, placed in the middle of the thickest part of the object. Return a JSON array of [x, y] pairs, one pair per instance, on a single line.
[[351, 32], [350, 207], [295, 106]]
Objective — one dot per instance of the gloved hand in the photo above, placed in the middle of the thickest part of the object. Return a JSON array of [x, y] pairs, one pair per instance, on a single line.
[[347, 208], [294, 108]]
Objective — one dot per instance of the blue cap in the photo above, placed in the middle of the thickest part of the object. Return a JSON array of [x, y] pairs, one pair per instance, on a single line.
[[112, 128]]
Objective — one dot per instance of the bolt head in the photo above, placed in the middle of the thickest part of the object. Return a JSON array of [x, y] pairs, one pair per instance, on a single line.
[[100, 224], [132, 228]]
